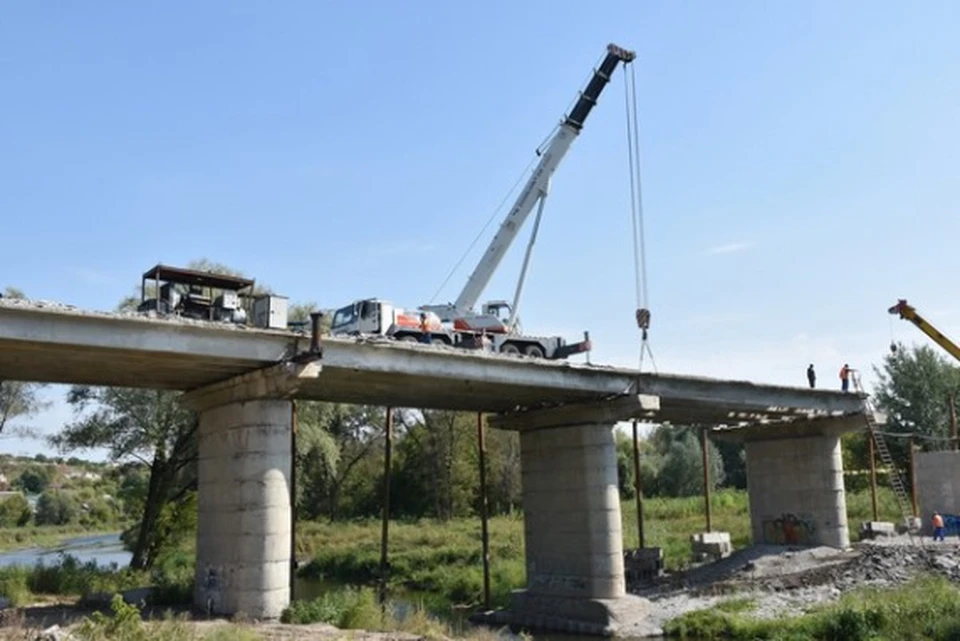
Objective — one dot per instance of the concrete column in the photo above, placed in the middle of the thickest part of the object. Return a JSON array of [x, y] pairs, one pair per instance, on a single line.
[[571, 506], [243, 526], [796, 491], [938, 489]]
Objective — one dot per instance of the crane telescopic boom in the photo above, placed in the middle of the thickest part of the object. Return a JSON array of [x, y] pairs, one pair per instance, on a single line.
[[907, 312], [536, 188]]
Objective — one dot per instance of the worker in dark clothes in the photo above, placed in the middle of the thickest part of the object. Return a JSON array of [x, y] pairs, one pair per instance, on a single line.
[[845, 377], [811, 376]]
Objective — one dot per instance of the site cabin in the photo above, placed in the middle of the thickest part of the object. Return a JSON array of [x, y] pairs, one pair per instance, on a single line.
[[210, 297], [374, 317]]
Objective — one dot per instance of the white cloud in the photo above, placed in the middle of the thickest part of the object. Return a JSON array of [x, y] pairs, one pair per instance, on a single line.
[[729, 248]]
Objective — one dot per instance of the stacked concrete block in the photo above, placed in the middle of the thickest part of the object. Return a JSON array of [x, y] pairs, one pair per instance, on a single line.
[[243, 523], [643, 564], [710, 545], [876, 529], [796, 491]]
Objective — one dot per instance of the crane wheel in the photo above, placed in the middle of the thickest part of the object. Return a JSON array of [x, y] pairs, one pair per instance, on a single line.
[[409, 338], [534, 351], [509, 348]]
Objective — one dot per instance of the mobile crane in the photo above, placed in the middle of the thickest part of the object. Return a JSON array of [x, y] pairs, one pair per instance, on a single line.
[[458, 323], [907, 312]]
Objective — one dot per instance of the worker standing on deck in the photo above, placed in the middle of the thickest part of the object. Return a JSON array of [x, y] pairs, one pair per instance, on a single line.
[[425, 336], [811, 376], [845, 377], [937, 522]]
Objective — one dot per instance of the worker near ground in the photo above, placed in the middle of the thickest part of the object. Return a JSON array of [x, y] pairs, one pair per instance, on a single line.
[[845, 377], [811, 376], [937, 522], [425, 335]]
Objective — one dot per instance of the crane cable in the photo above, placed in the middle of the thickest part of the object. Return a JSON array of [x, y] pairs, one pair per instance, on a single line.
[[636, 213]]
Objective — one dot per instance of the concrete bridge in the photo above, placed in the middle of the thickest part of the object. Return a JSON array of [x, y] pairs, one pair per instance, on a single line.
[[242, 382]]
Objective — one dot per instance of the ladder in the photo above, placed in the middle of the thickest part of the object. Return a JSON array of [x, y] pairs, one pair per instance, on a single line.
[[899, 489]]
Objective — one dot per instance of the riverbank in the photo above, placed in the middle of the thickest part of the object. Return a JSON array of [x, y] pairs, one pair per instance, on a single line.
[[46, 536]]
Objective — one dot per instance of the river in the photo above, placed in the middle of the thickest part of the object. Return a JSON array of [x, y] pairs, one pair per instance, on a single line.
[[107, 549]]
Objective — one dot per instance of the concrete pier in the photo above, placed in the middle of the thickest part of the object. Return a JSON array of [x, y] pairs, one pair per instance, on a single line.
[[795, 481], [572, 527], [796, 491], [243, 524], [244, 516]]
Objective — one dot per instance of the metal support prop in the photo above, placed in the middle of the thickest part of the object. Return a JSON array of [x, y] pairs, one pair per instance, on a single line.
[[913, 480], [953, 422], [873, 477], [638, 483], [484, 534], [293, 497], [706, 477], [385, 528]]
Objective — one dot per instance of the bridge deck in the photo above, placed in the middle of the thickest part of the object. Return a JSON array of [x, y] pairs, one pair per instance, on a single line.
[[57, 344]]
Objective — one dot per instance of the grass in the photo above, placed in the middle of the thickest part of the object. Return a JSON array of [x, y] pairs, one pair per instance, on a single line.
[[443, 559], [926, 608]]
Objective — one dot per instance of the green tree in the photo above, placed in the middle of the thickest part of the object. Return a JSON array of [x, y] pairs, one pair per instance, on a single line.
[[149, 426], [681, 470], [33, 480], [15, 511], [333, 441], [56, 508], [914, 389]]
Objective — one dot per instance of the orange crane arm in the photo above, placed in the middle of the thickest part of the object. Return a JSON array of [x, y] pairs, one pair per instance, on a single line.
[[906, 311]]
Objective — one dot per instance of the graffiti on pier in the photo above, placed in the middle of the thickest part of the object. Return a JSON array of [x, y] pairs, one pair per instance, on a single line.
[[790, 529]]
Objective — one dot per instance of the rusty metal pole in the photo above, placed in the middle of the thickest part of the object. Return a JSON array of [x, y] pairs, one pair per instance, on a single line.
[[388, 445], [484, 534], [913, 480], [638, 483], [953, 423], [293, 497], [873, 477], [706, 477]]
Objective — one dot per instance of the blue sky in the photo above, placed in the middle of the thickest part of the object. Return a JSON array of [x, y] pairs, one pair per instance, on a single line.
[[799, 163]]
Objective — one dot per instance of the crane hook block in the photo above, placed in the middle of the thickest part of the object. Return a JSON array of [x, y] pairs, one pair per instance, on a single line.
[[643, 319]]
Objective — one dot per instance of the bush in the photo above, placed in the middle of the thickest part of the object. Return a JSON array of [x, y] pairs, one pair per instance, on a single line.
[[33, 480], [56, 508], [348, 609], [15, 511]]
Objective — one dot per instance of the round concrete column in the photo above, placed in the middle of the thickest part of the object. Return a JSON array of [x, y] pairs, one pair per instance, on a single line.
[[571, 505], [243, 527]]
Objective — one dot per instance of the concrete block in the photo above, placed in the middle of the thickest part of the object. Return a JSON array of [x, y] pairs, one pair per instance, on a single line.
[[643, 564], [874, 529], [714, 545]]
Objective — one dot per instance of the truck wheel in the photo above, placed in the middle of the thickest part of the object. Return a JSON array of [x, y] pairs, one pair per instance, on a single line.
[[534, 351], [509, 348], [409, 339]]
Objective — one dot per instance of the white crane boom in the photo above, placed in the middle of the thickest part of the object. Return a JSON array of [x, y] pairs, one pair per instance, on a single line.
[[537, 186]]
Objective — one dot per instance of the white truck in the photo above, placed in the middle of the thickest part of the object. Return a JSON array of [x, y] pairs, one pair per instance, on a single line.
[[496, 325]]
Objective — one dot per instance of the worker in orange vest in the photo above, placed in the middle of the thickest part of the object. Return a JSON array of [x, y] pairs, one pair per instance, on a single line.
[[845, 377], [425, 335], [937, 522]]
